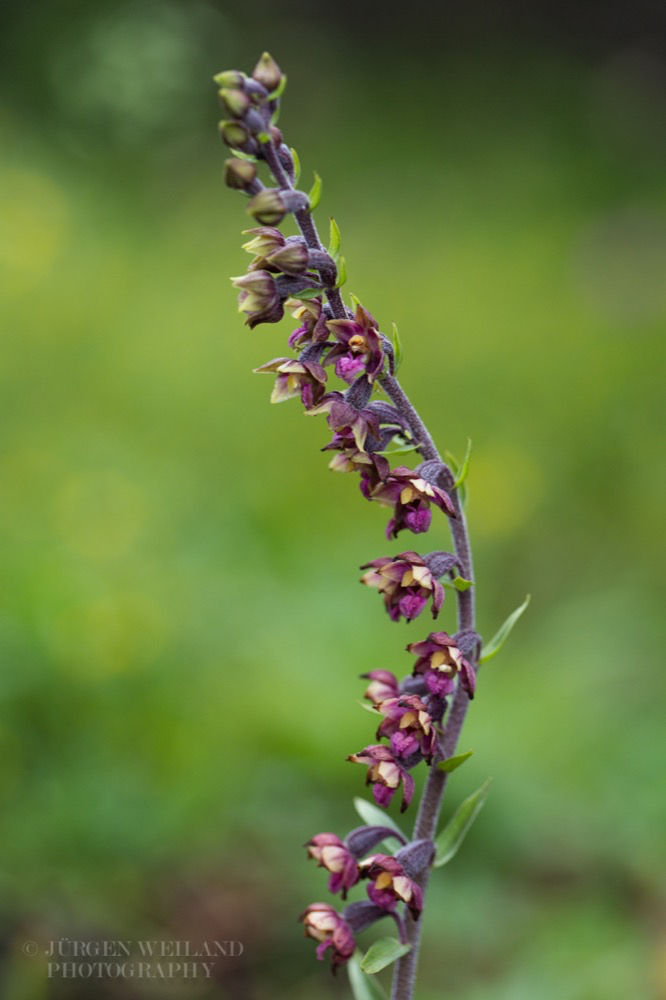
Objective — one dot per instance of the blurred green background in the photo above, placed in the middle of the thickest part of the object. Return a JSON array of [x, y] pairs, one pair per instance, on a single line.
[[181, 627]]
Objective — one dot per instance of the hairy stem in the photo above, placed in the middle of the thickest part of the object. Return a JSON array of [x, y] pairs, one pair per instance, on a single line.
[[431, 801], [305, 222]]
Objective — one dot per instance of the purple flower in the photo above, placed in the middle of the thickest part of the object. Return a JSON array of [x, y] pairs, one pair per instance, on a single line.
[[332, 854], [343, 418], [259, 298], [406, 583], [383, 685], [390, 884], [385, 774], [372, 467], [408, 726], [294, 378], [358, 348], [313, 322], [410, 495], [324, 924], [440, 661]]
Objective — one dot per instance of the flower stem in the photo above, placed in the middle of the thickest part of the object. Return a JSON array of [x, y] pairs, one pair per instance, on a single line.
[[404, 978]]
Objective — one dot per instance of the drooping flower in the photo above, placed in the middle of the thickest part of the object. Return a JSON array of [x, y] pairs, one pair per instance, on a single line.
[[332, 854], [440, 661], [358, 348], [324, 924], [383, 685], [408, 726], [346, 419], [258, 298], [294, 378], [313, 322], [410, 495], [391, 884], [373, 467], [406, 583], [386, 774]]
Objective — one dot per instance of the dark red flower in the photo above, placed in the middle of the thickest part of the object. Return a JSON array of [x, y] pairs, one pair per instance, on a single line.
[[406, 583], [332, 854], [391, 884], [324, 924], [385, 774], [441, 661], [410, 495]]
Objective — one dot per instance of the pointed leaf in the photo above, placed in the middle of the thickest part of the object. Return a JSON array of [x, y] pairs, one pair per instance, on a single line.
[[397, 349], [455, 831], [382, 953], [451, 763], [355, 301], [342, 273], [370, 708], [314, 197], [402, 449], [279, 90], [455, 469], [240, 155], [464, 469], [306, 293], [502, 633], [362, 987], [297, 165], [460, 583], [334, 239], [374, 816]]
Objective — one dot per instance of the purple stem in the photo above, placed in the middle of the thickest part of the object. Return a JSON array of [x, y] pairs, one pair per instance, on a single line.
[[404, 978]]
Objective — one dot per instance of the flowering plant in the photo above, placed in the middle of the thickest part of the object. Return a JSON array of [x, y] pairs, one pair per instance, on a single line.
[[420, 717]]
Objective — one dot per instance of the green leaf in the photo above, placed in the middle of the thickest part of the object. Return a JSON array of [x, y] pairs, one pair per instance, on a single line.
[[334, 239], [460, 583], [464, 469], [263, 137], [307, 293], [455, 469], [374, 816], [397, 349], [369, 708], [502, 633], [451, 763], [275, 117], [279, 90], [402, 449], [342, 273], [314, 197], [455, 831], [362, 987], [382, 953], [297, 165], [355, 301], [240, 155]]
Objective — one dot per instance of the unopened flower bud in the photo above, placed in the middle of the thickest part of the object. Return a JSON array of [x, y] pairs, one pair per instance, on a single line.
[[265, 240], [230, 78], [234, 134], [268, 207], [235, 101], [239, 173], [268, 73], [291, 258]]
